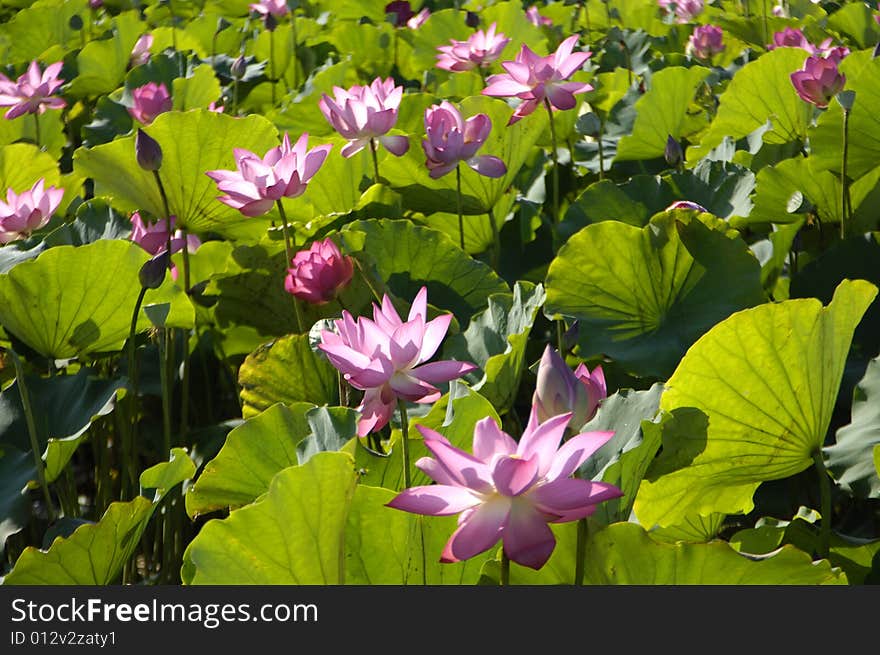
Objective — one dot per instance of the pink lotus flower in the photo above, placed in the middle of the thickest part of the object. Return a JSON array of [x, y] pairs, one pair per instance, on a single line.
[[32, 92], [403, 14], [508, 490], [217, 109], [538, 79], [450, 140], [317, 274], [685, 10], [364, 114], [558, 390], [385, 357], [480, 50], [419, 19], [705, 41], [277, 8], [537, 19], [30, 210], [818, 81], [140, 53], [149, 100], [284, 172], [154, 238]]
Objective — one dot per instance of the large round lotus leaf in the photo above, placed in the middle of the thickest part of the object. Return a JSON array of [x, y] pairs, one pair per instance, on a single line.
[[751, 401], [73, 300]]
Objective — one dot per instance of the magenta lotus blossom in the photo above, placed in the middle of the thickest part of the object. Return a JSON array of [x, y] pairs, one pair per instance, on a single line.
[[277, 8], [24, 212], [404, 15], [32, 92], [558, 390], [536, 79], [818, 81], [508, 490], [479, 51], [365, 114], [385, 357], [149, 100], [451, 140], [537, 19], [140, 53], [284, 172], [706, 41], [316, 275], [791, 37], [685, 10], [153, 237], [419, 19]]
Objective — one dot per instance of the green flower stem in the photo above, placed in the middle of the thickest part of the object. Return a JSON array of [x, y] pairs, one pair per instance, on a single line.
[[129, 435], [165, 359], [504, 581], [458, 205], [583, 529], [825, 491], [554, 157], [288, 250], [167, 208], [235, 97], [373, 148], [764, 18], [32, 434], [846, 202], [272, 79], [37, 131], [404, 440], [184, 387], [186, 269], [293, 40], [496, 240]]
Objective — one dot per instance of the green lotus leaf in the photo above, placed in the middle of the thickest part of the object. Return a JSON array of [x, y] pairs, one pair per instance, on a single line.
[[751, 401], [643, 296]]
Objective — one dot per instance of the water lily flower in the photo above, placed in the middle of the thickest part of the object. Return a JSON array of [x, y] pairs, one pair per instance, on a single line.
[[24, 212], [316, 275], [32, 92], [818, 81], [558, 390], [149, 101], [284, 172], [386, 358], [536, 79], [140, 53], [705, 41], [277, 8], [507, 490], [480, 50], [364, 115], [419, 19], [403, 14], [451, 140], [537, 19], [153, 237]]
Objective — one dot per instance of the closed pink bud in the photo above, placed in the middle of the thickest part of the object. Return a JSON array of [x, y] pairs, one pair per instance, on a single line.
[[818, 81], [558, 390], [30, 210], [537, 19], [316, 275], [140, 53], [276, 8], [149, 100]]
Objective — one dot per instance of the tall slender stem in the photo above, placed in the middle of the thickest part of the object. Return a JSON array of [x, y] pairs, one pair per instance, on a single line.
[[32, 435], [764, 19], [496, 240], [185, 252], [184, 387], [555, 159], [293, 49], [37, 131], [458, 205], [272, 62], [288, 251], [581, 552], [373, 148], [165, 383], [129, 440], [404, 440], [505, 569], [825, 492], [846, 206], [167, 208]]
